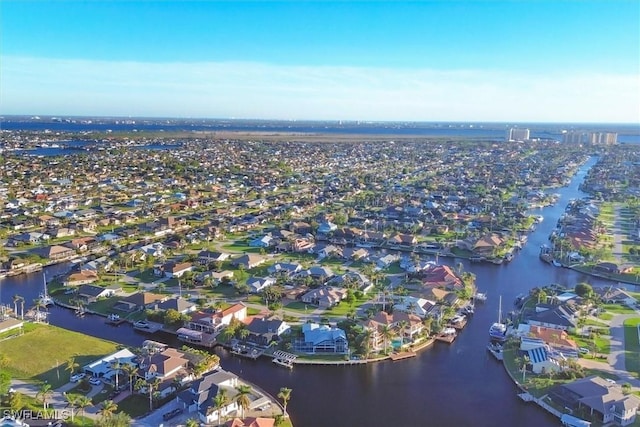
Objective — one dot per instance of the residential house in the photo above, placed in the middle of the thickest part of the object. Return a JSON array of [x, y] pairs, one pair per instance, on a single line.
[[104, 367], [173, 269], [163, 365], [263, 331], [81, 278], [285, 269], [180, 305], [604, 401], [322, 339], [91, 293], [55, 252], [262, 242], [487, 244], [257, 284], [249, 261], [324, 297], [563, 317], [205, 257], [440, 276], [199, 397], [212, 322], [141, 301], [611, 295]]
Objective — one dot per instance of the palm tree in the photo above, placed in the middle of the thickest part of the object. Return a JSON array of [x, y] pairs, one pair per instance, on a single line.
[[192, 422], [82, 402], [72, 365], [242, 398], [72, 399], [387, 334], [285, 395], [220, 400], [116, 366], [131, 372], [44, 393], [108, 409]]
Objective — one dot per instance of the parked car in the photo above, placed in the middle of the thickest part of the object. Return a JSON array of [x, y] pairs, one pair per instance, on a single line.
[[77, 377], [95, 381], [168, 415], [583, 350]]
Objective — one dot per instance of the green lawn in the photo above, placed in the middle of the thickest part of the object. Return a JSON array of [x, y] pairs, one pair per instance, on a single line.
[[632, 346], [618, 309], [135, 405], [300, 307], [41, 353], [605, 316]]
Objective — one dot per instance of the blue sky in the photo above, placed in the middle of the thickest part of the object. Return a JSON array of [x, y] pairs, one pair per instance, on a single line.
[[555, 61]]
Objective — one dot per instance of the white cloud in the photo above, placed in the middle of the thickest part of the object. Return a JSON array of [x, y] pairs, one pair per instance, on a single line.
[[258, 90]]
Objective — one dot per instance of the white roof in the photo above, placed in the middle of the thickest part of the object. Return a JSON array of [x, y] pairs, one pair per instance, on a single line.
[[103, 366]]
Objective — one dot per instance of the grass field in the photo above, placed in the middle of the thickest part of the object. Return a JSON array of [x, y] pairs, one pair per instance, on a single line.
[[632, 346], [41, 353]]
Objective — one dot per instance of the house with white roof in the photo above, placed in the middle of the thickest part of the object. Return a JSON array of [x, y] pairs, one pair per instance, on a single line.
[[104, 367]]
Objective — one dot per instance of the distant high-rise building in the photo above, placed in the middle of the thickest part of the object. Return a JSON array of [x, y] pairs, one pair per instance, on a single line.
[[603, 138], [517, 134], [573, 137], [597, 138]]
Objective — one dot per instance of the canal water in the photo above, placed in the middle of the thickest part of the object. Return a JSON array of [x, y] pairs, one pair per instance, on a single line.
[[446, 385]]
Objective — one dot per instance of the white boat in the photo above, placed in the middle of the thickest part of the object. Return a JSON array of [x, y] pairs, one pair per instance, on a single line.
[[495, 350], [498, 331], [480, 296]]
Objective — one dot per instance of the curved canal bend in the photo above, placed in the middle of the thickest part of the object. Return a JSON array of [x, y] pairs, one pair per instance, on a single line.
[[456, 385]]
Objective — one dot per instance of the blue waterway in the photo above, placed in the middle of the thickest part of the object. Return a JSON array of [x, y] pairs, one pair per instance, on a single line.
[[486, 131]]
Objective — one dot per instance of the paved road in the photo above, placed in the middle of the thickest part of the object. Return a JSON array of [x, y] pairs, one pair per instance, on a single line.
[[616, 360]]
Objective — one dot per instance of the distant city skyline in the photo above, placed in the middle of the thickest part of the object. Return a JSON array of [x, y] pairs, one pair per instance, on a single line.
[[501, 61]]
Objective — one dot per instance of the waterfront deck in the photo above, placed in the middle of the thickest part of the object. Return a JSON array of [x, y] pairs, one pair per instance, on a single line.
[[446, 338], [402, 355]]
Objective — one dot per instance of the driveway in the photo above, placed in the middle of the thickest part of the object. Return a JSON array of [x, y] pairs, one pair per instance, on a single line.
[[616, 359]]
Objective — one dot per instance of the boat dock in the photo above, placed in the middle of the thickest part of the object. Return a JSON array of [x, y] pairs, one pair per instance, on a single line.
[[402, 355], [448, 335], [284, 359], [114, 320]]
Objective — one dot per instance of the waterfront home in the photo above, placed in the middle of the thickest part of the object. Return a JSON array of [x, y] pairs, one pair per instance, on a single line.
[[178, 304], [385, 261], [55, 252], [163, 365], [487, 244], [556, 339], [91, 293], [81, 278], [212, 322], [440, 276], [604, 401], [199, 396], [404, 324], [561, 317], [324, 297], [141, 301], [542, 361], [104, 367], [321, 339], [263, 331]]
